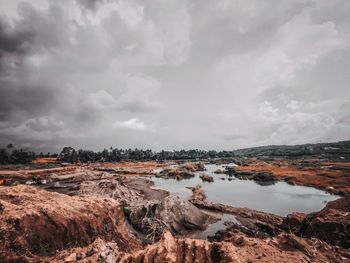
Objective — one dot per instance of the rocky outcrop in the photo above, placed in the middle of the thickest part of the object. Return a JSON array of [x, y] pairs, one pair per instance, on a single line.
[[231, 170], [239, 211], [293, 222], [39, 226], [206, 178], [237, 248], [177, 173], [38, 223], [183, 171], [148, 211], [263, 177], [259, 177], [198, 194], [194, 167], [170, 249], [251, 222], [331, 224]]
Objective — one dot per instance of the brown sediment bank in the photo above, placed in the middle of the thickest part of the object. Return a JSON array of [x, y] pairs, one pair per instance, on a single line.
[[103, 213], [330, 176]]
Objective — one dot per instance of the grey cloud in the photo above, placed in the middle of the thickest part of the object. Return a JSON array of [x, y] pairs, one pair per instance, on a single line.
[[236, 137], [90, 4], [13, 41], [234, 28], [20, 100], [214, 74]]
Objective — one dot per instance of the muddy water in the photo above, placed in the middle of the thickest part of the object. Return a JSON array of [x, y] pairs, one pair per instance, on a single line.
[[279, 198], [215, 227]]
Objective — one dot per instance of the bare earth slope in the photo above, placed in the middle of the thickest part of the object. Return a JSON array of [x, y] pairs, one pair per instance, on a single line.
[[103, 213], [34, 222]]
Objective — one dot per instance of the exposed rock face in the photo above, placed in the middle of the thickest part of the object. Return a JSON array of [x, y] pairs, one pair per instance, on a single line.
[[260, 177], [272, 219], [250, 222], [194, 167], [177, 173], [230, 170], [293, 222], [183, 171], [168, 249], [88, 229], [331, 224], [198, 194], [263, 177], [238, 248], [206, 178], [174, 250], [219, 171], [39, 226], [149, 212], [36, 222]]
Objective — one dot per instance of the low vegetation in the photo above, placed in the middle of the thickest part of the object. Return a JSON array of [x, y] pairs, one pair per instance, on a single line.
[[11, 155]]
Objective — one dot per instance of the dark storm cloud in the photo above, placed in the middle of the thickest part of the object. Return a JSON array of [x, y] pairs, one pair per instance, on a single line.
[[24, 101], [13, 41], [23, 97], [173, 74], [57, 71]]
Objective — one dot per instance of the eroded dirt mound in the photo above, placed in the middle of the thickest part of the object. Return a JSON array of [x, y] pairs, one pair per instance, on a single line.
[[149, 211], [331, 224], [183, 171], [238, 248], [37, 222], [39, 226]]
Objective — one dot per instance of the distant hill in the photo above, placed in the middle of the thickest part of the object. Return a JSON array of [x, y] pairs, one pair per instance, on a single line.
[[339, 149]]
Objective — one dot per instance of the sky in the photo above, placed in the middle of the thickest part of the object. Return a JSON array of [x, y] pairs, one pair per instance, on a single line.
[[173, 74]]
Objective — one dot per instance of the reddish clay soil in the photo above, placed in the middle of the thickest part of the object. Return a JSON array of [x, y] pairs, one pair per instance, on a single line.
[[239, 248], [44, 160], [331, 224], [131, 165], [103, 213], [36, 223], [333, 177], [14, 174], [38, 226]]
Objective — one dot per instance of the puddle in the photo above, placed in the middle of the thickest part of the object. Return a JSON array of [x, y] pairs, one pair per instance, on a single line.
[[215, 227], [279, 198]]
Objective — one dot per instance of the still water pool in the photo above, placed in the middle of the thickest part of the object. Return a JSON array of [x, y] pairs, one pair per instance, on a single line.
[[279, 198]]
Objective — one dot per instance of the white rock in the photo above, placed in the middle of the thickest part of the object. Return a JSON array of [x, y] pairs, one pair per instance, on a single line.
[[43, 181], [71, 258]]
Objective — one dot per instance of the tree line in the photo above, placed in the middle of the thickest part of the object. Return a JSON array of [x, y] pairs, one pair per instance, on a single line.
[[12, 155], [69, 154]]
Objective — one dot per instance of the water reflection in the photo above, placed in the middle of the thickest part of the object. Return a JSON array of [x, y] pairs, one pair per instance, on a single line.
[[278, 198]]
